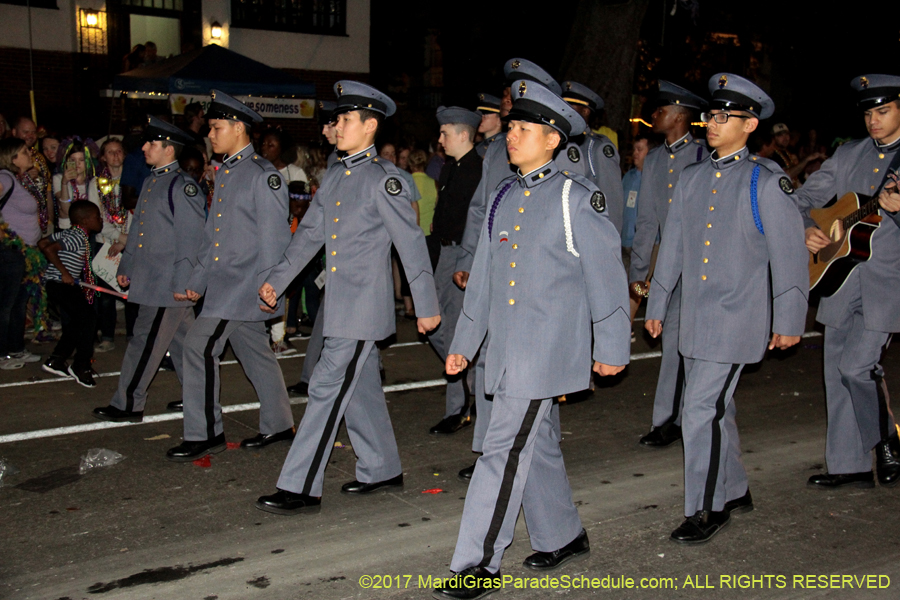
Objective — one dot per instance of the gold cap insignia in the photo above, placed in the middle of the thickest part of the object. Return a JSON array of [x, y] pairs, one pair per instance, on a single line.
[[321, 104], [481, 96], [522, 88], [864, 82], [568, 85], [515, 64], [340, 89], [723, 81], [213, 94]]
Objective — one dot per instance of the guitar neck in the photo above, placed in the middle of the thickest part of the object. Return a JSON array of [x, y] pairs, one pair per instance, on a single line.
[[869, 208]]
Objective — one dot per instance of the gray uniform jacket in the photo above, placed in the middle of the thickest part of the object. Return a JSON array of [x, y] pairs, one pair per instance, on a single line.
[[165, 238], [362, 207], [495, 168], [547, 277], [859, 167], [712, 243], [595, 156], [246, 235], [662, 168]]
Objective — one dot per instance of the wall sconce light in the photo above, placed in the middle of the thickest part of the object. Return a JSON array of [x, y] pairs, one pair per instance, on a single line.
[[216, 30], [91, 19]]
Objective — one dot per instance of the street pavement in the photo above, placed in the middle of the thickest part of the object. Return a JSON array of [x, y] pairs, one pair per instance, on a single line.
[[148, 528]]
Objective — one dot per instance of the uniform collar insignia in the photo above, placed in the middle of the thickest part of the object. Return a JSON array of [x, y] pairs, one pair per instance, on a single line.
[[360, 157], [732, 159], [239, 155], [683, 142], [165, 168], [539, 175]]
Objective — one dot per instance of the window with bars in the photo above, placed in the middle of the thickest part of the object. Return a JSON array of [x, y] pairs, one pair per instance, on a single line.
[[323, 17]]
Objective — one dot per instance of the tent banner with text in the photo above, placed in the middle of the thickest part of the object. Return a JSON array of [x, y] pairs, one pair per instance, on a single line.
[[268, 108]]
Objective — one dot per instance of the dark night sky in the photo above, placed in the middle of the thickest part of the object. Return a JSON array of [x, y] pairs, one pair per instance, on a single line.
[[815, 48]]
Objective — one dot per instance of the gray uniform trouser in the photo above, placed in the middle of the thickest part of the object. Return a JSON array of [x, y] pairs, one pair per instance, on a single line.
[[450, 298], [483, 406], [859, 411], [669, 399], [156, 331], [713, 470], [522, 466], [345, 384], [314, 346], [203, 346]]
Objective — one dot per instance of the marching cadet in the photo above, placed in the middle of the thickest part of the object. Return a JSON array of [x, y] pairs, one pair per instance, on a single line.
[[549, 255], [361, 208], [459, 179], [157, 262], [732, 222], [491, 125], [494, 169], [593, 154], [246, 235], [860, 317], [662, 168], [316, 338]]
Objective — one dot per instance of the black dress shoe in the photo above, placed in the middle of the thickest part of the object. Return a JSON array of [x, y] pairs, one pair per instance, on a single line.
[[356, 487], [466, 474], [548, 561], [175, 406], [887, 464], [301, 388], [189, 451], [740, 505], [700, 528], [111, 413], [866, 479], [451, 424], [660, 437], [284, 502], [469, 584], [261, 440]]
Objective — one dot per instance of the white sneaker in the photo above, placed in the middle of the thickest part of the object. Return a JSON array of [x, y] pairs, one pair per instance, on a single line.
[[25, 356], [282, 348], [104, 346], [8, 363]]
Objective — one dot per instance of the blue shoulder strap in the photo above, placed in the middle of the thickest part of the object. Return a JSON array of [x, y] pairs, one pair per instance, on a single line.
[[699, 152], [754, 203], [171, 203]]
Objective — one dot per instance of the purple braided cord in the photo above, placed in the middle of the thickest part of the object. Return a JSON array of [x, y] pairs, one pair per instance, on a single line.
[[494, 207]]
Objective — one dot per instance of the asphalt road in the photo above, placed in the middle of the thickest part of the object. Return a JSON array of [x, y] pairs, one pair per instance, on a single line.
[[149, 528]]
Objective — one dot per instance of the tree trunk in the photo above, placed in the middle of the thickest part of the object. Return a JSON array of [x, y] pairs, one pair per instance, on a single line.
[[602, 50]]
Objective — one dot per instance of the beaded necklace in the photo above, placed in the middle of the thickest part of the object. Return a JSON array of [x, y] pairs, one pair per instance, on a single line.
[[34, 188], [87, 271], [110, 196], [76, 193]]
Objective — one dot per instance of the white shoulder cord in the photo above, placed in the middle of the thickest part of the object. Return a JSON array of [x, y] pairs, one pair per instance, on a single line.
[[567, 219]]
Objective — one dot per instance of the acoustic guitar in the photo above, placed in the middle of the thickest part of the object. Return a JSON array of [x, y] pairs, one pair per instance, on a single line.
[[850, 223]]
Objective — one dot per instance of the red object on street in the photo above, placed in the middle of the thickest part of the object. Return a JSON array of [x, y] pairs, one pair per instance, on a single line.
[[203, 463], [433, 491], [232, 445]]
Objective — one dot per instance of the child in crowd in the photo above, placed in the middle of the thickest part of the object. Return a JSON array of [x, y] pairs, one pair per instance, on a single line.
[[68, 252]]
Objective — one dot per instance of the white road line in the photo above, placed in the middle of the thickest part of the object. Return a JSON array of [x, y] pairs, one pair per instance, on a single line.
[[400, 387]]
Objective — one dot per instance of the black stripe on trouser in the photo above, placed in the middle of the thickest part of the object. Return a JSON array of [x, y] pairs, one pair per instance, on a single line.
[[679, 391], [881, 391], [506, 485], [210, 369], [332, 418], [715, 454], [145, 358]]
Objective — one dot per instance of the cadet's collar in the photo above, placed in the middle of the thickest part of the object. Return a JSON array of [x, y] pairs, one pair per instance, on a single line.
[[165, 169], [493, 138], [239, 155], [539, 175], [357, 159], [680, 144], [730, 160], [887, 147]]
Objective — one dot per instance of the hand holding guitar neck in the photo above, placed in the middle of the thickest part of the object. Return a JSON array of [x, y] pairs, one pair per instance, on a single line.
[[889, 199]]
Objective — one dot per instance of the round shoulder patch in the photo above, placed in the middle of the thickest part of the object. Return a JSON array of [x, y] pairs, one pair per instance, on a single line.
[[393, 186], [191, 190], [598, 202], [609, 151], [274, 181], [573, 154], [785, 184]]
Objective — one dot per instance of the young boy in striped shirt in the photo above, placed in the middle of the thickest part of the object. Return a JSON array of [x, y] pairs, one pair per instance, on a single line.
[[68, 251]]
